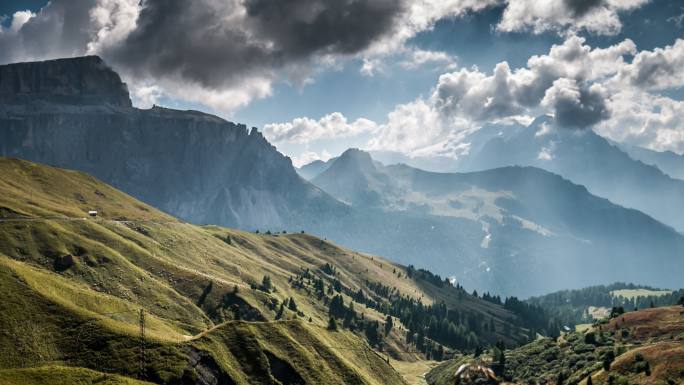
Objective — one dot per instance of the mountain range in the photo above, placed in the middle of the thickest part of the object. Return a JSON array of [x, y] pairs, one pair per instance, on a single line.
[[530, 223], [587, 159], [486, 229]]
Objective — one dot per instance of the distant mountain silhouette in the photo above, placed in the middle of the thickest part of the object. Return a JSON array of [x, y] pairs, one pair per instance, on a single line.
[[585, 158]]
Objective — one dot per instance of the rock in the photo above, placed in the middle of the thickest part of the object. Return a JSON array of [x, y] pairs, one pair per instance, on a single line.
[[78, 81], [468, 374]]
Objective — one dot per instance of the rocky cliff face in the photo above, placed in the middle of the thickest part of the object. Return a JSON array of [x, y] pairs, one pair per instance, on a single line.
[[79, 81], [76, 113]]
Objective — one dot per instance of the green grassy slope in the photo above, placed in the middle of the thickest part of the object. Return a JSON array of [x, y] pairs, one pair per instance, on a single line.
[[61, 375], [73, 285]]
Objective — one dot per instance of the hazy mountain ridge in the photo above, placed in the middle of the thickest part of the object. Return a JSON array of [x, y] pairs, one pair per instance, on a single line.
[[668, 162], [313, 169], [587, 159], [523, 221]]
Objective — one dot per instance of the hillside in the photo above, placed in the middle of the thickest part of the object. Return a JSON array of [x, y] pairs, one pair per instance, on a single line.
[[491, 227], [642, 347], [73, 286]]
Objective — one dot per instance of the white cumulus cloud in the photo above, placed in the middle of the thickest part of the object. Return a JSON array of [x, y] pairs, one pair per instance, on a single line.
[[306, 130], [596, 16]]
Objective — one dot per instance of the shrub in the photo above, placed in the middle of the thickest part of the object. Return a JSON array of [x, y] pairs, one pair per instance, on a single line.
[[590, 338]]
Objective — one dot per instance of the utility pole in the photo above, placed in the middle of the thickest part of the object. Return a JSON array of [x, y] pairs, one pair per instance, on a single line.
[[141, 375]]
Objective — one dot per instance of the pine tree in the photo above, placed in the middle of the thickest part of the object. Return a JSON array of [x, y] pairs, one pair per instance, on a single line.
[[607, 360], [560, 379], [281, 310], [589, 381], [388, 324], [292, 305], [266, 284], [332, 324]]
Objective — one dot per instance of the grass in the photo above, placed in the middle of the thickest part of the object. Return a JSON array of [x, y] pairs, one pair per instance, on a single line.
[[61, 375], [414, 371], [583, 327]]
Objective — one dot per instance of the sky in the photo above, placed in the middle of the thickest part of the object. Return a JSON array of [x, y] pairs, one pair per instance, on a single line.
[[407, 76]]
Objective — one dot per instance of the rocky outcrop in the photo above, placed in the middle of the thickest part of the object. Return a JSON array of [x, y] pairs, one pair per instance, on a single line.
[[79, 81]]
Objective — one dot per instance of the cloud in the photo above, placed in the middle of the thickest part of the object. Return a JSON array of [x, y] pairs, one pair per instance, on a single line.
[[299, 28], [547, 152], [112, 21], [574, 106], [146, 95], [659, 69], [215, 47], [421, 15], [646, 120], [19, 19], [215, 42], [218, 48], [583, 87], [418, 57], [306, 130], [595, 16], [678, 20], [409, 127], [474, 95], [60, 29]]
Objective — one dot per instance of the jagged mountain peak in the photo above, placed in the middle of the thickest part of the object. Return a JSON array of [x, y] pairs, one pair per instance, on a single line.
[[355, 177], [355, 157]]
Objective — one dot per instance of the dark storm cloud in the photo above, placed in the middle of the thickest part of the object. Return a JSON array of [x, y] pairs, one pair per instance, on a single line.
[[213, 42], [302, 27], [579, 8], [580, 112]]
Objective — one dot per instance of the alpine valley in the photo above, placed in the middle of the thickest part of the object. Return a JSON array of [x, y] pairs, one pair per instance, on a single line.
[[173, 247]]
